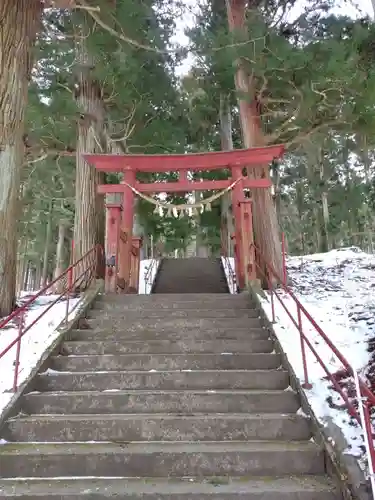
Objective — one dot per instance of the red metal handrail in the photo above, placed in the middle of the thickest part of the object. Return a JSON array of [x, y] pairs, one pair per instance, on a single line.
[[70, 277], [365, 397]]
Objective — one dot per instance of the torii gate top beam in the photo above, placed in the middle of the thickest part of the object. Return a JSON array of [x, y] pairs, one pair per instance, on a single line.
[[192, 161]]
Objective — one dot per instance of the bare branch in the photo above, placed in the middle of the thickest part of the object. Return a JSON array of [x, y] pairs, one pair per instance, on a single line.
[[121, 36]]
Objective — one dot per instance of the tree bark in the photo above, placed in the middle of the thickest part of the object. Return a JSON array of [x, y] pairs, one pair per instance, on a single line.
[[47, 246], [19, 24], [324, 200], [89, 219], [226, 140], [266, 230], [38, 275], [21, 268], [59, 267]]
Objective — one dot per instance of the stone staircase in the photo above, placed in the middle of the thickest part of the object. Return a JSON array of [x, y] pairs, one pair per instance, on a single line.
[[164, 397], [192, 275]]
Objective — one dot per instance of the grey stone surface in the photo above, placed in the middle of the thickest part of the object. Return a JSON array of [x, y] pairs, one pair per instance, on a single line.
[[223, 488], [206, 402], [253, 458], [208, 379], [165, 387], [147, 362], [117, 324], [162, 427], [189, 345], [192, 312], [214, 332]]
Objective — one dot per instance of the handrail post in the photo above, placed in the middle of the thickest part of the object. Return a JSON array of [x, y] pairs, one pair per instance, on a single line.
[[18, 350], [365, 421], [306, 384]]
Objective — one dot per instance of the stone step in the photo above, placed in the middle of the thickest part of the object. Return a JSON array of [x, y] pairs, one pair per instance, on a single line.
[[149, 305], [196, 313], [147, 362], [164, 380], [127, 333], [171, 402], [176, 301], [117, 324], [187, 345], [192, 288], [210, 488], [253, 458], [164, 427]]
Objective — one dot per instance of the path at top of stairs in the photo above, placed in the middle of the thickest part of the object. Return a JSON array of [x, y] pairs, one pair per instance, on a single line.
[[193, 275]]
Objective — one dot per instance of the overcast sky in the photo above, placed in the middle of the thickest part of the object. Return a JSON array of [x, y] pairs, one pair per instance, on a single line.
[[353, 8]]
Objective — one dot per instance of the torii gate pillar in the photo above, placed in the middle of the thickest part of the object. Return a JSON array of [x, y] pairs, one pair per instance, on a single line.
[[126, 231], [112, 251]]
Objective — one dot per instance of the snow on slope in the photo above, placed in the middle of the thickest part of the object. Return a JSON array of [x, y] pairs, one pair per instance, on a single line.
[[34, 343], [337, 288], [145, 287]]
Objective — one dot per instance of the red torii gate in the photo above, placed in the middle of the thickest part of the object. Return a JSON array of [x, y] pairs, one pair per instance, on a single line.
[[120, 217]]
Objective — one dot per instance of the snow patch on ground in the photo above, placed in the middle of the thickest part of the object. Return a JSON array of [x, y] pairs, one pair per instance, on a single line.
[[145, 287], [34, 343], [337, 289]]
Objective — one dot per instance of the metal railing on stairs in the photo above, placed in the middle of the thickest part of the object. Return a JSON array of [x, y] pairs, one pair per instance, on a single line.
[[150, 275], [83, 270], [365, 397]]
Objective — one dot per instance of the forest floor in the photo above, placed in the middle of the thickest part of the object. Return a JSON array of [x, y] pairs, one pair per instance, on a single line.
[[337, 288]]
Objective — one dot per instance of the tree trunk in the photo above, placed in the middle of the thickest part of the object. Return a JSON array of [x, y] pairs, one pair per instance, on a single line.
[[325, 208], [47, 246], [89, 219], [60, 261], [364, 155], [266, 230], [22, 262], [226, 145], [38, 275], [19, 24]]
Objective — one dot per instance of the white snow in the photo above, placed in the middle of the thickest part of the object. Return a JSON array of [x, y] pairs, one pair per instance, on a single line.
[[337, 289], [228, 265], [33, 343], [145, 286]]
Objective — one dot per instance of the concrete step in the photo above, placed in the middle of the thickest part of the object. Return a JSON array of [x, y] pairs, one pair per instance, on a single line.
[[171, 402], [150, 305], [106, 333], [192, 287], [253, 458], [196, 313], [162, 427], [220, 488], [117, 324], [147, 362], [178, 301], [164, 380], [187, 345]]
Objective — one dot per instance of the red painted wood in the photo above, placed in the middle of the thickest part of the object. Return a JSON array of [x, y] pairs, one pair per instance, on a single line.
[[237, 198], [193, 161], [112, 250], [127, 227], [172, 187], [247, 240]]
